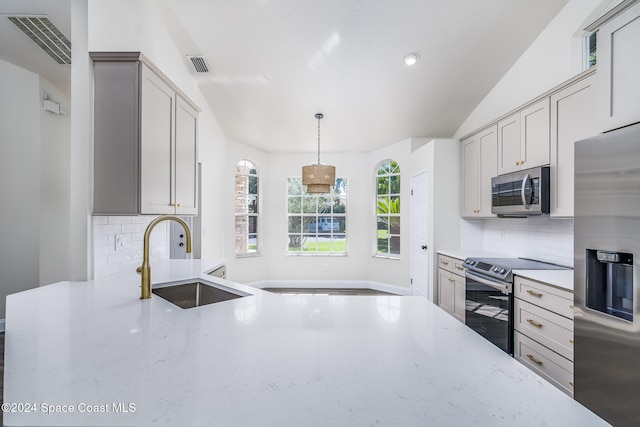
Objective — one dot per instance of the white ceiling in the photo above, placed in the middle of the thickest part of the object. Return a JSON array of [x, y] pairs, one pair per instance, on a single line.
[[275, 63]]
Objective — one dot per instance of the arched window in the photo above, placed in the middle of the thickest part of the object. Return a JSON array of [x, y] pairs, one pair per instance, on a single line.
[[388, 209], [246, 208]]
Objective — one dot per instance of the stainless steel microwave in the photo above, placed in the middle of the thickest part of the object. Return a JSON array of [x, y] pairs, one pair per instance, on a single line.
[[521, 194]]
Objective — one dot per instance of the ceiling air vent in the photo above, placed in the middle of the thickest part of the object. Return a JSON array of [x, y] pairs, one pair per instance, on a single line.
[[46, 35], [199, 63]]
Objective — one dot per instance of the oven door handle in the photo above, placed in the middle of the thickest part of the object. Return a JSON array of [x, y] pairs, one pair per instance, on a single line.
[[496, 284]]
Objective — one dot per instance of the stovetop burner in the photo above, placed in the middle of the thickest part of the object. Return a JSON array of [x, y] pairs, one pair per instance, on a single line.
[[502, 268]]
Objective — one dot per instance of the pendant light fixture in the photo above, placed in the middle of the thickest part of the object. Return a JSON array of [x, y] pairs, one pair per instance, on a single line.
[[318, 177]]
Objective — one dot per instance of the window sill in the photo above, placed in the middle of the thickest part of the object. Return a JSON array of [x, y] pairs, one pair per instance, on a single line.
[[397, 258], [315, 254], [253, 255]]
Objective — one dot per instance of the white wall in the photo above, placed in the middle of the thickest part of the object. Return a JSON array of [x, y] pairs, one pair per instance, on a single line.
[[55, 190], [114, 26], [392, 271], [34, 183], [554, 57], [19, 180], [359, 264], [440, 159], [279, 265], [251, 268]]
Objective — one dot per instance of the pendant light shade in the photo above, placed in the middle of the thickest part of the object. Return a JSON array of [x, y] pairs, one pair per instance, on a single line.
[[318, 177]]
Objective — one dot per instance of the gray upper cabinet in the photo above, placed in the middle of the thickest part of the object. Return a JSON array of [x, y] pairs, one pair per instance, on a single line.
[[145, 139], [618, 65]]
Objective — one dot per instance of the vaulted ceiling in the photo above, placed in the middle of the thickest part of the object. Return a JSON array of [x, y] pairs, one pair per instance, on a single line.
[[275, 63]]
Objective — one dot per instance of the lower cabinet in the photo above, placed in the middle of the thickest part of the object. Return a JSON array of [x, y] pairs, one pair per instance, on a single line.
[[543, 322], [451, 286]]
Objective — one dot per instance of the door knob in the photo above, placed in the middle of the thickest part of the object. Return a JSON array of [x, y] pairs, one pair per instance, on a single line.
[[424, 247]]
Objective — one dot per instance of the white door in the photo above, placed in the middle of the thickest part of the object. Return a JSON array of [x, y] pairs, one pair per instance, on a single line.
[[419, 235]]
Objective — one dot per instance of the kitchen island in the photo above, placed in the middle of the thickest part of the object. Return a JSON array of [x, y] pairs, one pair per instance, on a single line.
[[93, 353]]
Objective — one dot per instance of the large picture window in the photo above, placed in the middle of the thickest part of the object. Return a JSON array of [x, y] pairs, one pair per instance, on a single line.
[[317, 223], [388, 209], [247, 209]]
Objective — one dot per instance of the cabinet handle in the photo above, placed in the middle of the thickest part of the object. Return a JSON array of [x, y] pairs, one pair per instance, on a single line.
[[571, 341], [450, 279], [517, 162], [571, 383], [534, 360], [534, 323], [534, 293], [571, 307], [459, 268], [444, 262]]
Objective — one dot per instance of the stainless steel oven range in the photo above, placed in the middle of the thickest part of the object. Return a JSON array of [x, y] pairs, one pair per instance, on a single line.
[[489, 296]]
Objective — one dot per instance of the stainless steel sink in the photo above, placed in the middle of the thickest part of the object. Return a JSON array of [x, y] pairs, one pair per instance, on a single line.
[[194, 294]]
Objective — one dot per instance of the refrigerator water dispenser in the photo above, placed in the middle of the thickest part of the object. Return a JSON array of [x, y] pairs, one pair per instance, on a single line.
[[610, 283]]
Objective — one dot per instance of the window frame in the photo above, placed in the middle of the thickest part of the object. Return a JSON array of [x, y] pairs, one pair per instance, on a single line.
[[253, 172], [590, 46], [304, 213], [393, 239]]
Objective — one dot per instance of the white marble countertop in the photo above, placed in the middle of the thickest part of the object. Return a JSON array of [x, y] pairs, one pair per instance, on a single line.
[[266, 359], [559, 278]]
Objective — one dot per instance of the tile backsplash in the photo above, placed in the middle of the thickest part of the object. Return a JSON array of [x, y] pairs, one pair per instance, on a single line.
[[118, 241], [542, 238]]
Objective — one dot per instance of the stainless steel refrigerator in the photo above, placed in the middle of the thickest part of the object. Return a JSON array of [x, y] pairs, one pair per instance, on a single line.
[[607, 253]]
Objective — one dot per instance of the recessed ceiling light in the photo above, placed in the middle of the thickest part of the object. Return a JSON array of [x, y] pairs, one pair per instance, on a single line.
[[410, 59]]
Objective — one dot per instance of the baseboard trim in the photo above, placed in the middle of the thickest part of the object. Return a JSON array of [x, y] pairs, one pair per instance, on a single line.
[[331, 284]]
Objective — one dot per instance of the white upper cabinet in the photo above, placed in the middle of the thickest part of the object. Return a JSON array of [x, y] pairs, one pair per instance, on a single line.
[[574, 114], [157, 123], [145, 139], [186, 164], [618, 70], [523, 138], [509, 144], [479, 165]]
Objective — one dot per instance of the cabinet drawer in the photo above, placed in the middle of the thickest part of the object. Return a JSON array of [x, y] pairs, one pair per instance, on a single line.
[[549, 329], [551, 366], [545, 296], [454, 265], [458, 267], [445, 263]]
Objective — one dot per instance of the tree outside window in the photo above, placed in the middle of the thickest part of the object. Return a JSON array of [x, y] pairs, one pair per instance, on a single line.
[[317, 223], [591, 43], [246, 208], [388, 209]]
